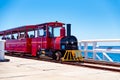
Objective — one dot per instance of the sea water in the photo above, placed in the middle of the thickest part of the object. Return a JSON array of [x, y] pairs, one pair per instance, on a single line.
[[114, 56]]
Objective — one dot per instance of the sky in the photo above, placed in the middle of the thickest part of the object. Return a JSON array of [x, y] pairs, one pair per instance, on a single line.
[[90, 19]]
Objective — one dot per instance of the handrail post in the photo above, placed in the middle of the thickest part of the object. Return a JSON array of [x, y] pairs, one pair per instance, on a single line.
[[94, 52], [86, 50], [80, 46], [103, 56]]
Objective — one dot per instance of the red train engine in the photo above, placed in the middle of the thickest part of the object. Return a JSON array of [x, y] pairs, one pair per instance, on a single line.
[[48, 39]]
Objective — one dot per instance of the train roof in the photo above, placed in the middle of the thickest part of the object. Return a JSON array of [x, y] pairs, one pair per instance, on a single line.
[[31, 27]]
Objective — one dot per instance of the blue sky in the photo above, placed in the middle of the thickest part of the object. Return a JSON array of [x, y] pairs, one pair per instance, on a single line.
[[90, 19]]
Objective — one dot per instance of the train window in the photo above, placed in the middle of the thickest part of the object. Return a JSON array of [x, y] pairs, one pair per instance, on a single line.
[[13, 36], [57, 31], [31, 34], [21, 35], [42, 32]]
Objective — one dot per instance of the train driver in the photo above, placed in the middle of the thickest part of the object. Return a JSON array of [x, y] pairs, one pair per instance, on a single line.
[[45, 31]]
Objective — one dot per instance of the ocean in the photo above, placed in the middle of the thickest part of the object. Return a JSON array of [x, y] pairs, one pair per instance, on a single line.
[[114, 56]]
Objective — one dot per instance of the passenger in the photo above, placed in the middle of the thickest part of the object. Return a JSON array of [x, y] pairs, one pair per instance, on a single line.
[[12, 37], [3, 38], [22, 36], [8, 38], [18, 36], [32, 36], [44, 33]]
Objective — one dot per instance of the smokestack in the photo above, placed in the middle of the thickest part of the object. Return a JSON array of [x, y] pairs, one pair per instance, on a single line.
[[68, 29]]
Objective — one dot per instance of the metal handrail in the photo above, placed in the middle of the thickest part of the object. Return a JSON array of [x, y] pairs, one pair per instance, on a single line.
[[96, 49]]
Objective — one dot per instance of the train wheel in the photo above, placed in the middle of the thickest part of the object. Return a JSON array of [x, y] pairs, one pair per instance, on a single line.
[[38, 54], [22, 55], [10, 53], [57, 55]]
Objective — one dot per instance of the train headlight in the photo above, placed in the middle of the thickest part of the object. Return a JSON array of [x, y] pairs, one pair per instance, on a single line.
[[72, 42], [66, 42]]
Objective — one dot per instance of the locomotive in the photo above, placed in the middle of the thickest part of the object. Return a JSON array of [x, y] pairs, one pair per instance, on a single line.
[[40, 39]]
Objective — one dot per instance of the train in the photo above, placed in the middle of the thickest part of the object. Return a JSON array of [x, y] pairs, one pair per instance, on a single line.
[[51, 39]]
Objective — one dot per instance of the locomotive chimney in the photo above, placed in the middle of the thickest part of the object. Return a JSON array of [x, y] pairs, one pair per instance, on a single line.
[[68, 29]]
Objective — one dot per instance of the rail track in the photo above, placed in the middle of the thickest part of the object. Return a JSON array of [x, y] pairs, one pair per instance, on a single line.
[[86, 63]]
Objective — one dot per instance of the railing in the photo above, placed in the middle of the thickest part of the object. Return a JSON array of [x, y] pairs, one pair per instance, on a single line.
[[95, 49]]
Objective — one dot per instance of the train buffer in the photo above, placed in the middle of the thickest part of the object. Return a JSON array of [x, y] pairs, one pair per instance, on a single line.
[[72, 55]]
